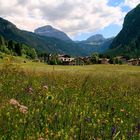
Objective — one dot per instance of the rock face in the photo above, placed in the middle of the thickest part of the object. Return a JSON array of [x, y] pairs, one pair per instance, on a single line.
[[49, 31], [128, 40], [96, 38]]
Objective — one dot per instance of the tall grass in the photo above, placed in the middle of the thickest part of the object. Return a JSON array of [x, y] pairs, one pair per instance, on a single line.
[[73, 104]]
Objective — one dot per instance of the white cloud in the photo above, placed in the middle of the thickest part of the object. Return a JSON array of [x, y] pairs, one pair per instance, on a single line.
[[71, 16], [131, 3]]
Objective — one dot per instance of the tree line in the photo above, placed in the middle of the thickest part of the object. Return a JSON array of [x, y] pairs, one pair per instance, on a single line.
[[11, 47]]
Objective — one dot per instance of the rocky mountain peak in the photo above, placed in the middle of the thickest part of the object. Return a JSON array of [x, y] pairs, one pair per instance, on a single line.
[[96, 38], [49, 31]]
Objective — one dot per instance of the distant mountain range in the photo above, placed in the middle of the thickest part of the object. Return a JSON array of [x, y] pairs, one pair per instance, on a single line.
[[95, 43], [127, 42], [51, 40], [41, 43]]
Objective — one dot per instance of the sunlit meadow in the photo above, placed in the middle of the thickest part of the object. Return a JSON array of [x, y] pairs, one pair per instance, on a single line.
[[41, 102]]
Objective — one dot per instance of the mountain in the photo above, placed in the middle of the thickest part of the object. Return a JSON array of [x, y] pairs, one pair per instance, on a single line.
[[127, 42], [104, 46], [95, 43], [49, 31], [98, 38], [41, 43], [51, 44]]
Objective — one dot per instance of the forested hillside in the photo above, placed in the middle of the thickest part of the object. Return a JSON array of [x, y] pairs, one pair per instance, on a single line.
[[17, 49], [127, 42]]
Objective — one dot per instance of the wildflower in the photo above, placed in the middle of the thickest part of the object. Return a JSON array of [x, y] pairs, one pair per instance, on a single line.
[[127, 114], [118, 119], [29, 89], [49, 120], [14, 102], [122, 110], [45, 87], [88, 119], [47, 131], [23, 109], [121, 121], [94, 113], [41, 139], [113, 131], [98, 121]]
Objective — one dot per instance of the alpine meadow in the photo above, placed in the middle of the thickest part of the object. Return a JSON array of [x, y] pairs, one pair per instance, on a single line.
[[82, 83]]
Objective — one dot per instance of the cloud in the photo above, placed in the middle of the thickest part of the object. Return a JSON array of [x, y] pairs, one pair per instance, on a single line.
[[131, 3], [71, 16]]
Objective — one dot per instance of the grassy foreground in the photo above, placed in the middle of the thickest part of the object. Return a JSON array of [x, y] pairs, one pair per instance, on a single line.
[[40, 102]]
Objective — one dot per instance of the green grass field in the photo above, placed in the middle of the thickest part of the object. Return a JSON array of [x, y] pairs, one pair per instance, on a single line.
[[95, 102]]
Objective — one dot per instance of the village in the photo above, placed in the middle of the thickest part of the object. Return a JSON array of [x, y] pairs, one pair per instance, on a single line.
[[64, 59]]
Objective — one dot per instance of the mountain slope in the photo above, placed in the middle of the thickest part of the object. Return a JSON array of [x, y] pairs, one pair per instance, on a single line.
[[16, 49], [98, 38], [49, 31], [127, 41], [50, 44], [44, 44]]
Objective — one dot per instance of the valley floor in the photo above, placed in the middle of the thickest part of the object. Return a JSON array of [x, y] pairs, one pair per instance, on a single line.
[[108, 68], [44, 102]]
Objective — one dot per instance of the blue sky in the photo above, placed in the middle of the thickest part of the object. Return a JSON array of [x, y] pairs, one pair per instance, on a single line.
[[115, 2], [118, 3], [109, 31]]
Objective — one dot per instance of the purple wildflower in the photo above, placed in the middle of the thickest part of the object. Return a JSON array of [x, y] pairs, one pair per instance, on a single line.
[[113, 131]]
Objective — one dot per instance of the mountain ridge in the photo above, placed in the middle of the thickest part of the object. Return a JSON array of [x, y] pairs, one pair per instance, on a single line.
[[41, 43], [50, 31], [48, 44], [95, 38], [127, 42]]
